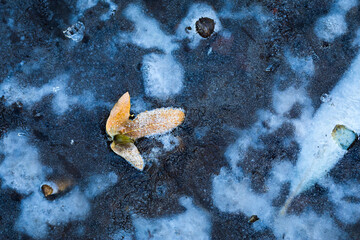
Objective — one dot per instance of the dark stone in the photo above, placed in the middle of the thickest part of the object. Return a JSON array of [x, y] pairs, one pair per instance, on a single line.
[[205, 27]]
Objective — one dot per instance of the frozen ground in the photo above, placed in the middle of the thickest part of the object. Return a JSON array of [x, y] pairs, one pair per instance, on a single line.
[[261, 97]]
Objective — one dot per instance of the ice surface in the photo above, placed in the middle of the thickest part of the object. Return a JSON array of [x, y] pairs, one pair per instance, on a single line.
[[232, 189], [319, 152], [194, 223], [163, 75], [21, 169], [196, 11], [253, 86], [37, 213], [234, 195]]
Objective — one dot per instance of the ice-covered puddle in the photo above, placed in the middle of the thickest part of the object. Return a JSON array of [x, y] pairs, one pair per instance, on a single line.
[[270, 95]]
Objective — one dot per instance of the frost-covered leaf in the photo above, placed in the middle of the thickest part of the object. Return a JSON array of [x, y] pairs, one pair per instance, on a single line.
[[124, 132], [130, 153], [154, 122], [118, 115]]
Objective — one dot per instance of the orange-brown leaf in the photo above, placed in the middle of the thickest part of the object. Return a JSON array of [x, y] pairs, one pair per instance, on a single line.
[[130, 153], [153, 122], [118, 115]]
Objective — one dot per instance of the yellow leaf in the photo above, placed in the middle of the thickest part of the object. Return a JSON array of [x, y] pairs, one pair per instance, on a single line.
[[124, 132], [130, 153], [153, 122], [118, 115]]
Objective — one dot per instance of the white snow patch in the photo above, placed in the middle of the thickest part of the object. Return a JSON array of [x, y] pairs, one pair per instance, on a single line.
[[356, 41], [122, 235], [21, 169], [333, 25], [330, 27], [301, 65], [112, 9], [234, 195], [28, 95], [138, 105], [194, 223], [254, 11], [196, 11], [37, 213], [61, 102], [83, 5], [163, 75], [99, 183], [319, 152], [345, 5], [346, 211], [169, 141], [283, 101], [147, 33], [307, 225]]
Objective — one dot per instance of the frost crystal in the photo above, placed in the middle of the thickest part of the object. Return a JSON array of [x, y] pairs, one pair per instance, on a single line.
[[325, 98], [75, 32]]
